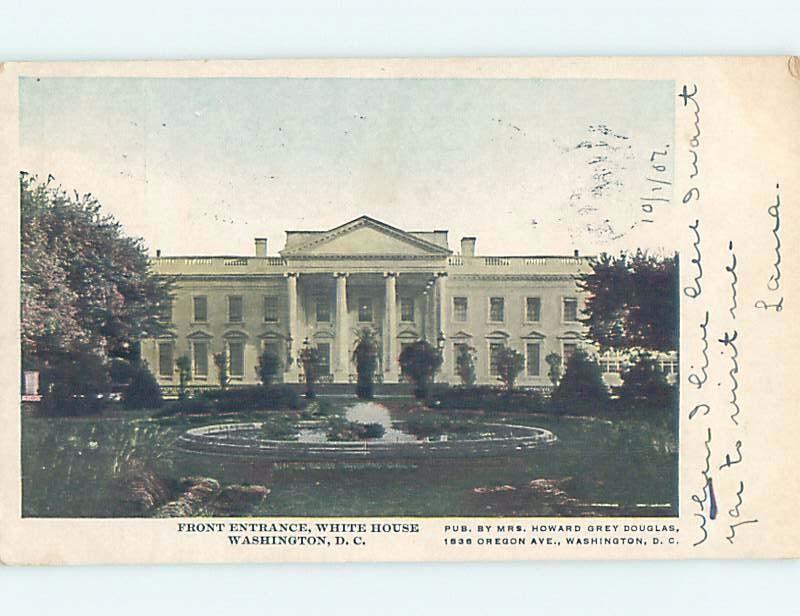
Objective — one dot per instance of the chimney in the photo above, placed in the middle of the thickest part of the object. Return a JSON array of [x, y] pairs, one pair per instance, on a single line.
[[440, 237], [468, 246], [158, 252], [576, 253], [261, 247]]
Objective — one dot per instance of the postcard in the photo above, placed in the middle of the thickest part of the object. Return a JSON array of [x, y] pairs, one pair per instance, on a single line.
[[399, 309]]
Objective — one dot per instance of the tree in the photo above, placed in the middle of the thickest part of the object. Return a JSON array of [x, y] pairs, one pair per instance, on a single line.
[[465, 364], [365, 357], [221, 362], [419, 362], [310, 359], [183, 366], [632, 302], [510, 363], [554, 368], [581, 389], [84, 285], [269, 367]]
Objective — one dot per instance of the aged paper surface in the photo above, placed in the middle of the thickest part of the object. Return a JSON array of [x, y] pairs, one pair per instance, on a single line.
[[609, 323]]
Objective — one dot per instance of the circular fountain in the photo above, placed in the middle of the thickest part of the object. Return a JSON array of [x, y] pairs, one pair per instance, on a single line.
[[485, 438]]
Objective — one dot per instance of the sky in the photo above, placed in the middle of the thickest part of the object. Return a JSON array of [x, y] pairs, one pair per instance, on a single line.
[[203, 165]]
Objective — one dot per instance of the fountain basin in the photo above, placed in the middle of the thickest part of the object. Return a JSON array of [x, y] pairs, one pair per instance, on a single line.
[[244, 439]]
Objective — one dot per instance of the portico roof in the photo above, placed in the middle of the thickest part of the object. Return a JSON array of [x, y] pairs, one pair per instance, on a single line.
[[361, 237]]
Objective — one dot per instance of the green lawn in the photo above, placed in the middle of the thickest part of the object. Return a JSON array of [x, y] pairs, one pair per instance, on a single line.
[[71, 467]]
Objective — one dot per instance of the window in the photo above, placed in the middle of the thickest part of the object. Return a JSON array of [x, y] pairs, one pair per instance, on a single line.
[[494, 364], [610, 365], [200, 358], [460, 309], [496, 309], [236, 359], [407, 309], [200, 309], [324, 354], [570, 309], [271, 308], [323, 310], [532, 353], [365, 310], [165, 362], [533, 308], [165, 312], [569, 351], [235, 312], [669, 366]]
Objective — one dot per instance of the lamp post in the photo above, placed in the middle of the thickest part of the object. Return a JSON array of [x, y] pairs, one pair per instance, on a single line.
[[308, 359]]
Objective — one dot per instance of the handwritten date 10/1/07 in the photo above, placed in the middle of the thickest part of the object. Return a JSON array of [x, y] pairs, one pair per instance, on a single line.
[[659, 185]]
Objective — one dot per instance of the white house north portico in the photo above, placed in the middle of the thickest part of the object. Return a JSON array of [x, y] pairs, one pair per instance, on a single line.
[[324, 286]]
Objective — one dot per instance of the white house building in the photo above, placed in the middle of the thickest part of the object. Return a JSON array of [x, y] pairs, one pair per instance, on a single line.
[[405, 285]]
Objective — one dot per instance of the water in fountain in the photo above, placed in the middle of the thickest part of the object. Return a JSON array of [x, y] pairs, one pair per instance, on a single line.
[[371, 412]]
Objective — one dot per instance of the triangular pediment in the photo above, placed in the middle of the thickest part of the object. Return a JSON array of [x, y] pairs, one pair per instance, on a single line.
[[534, 334], [199, 335], [499, 334], [461, 334], [408, 334], [270, 334], [362, 237]]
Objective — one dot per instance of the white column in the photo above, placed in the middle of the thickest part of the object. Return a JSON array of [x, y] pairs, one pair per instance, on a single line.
[[342, 365], [441, 292], [390, 328], [293, 369], [428, 325]]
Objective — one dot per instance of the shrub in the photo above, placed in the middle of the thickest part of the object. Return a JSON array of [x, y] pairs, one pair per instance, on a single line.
[[324, 408], [644, 385], [419, 362], [465, 364], [269, 367], [75, 384], [310, 359], [510, 363], [186, 406], [183, 365], [365, 357], [280, 428], [257, 397], [142, 390], [319, 408], [427, 424], [489, 399], [249, 398], [581, 389], [372, 430], [340, 429], [221, 362], [121, 372], [554, 368]]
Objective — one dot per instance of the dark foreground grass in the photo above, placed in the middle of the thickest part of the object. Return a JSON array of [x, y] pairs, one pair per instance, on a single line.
[[73, 467]]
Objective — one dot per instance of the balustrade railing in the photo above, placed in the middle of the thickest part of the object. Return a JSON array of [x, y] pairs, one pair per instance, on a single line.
[[510, 262]]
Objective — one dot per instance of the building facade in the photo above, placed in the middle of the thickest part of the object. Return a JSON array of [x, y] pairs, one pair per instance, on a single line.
[[324, 286]]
